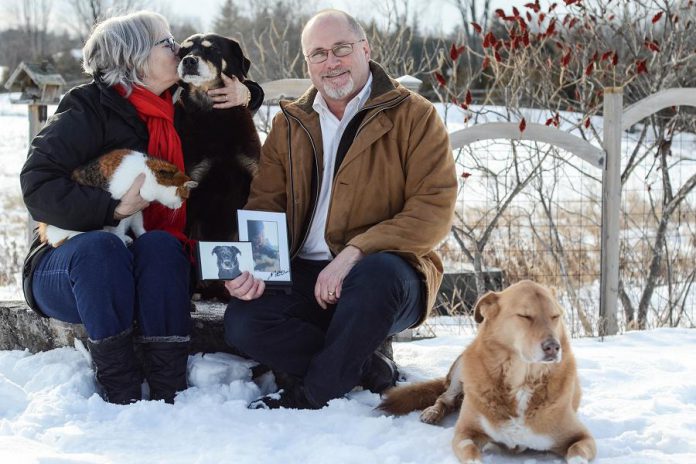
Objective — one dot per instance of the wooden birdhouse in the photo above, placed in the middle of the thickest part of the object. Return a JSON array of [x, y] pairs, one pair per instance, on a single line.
[[39, 83]]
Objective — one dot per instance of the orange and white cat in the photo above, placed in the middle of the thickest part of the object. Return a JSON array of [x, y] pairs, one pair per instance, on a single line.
[[115, 173]]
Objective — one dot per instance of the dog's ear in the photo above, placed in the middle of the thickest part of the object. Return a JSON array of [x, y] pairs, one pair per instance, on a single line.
[[246, 64], [215, 250], [235, 251], [486, 307], [552, 291], [242, 61]]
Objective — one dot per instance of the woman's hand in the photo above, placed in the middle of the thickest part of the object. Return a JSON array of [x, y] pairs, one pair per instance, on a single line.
[[131, 202], [234, 93], [245, 286]]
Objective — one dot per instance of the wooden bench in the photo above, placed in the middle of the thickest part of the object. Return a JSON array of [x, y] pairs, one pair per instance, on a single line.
[[21, 328]]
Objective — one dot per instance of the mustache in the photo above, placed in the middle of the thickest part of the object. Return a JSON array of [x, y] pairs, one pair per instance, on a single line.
[[334, 73]]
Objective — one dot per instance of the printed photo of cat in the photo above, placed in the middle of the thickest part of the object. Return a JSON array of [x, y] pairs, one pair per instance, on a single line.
[[115, 173]]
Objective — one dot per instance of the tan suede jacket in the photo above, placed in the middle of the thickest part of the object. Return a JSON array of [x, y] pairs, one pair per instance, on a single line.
[[394, 191]]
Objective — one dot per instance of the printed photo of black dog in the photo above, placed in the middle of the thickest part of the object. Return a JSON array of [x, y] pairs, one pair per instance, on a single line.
[[224, 260], [227, 263]]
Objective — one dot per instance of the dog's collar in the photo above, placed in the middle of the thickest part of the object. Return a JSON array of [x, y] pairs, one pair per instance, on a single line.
[[176, 95]]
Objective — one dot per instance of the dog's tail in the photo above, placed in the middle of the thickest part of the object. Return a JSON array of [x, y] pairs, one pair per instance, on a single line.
[[414, 397]]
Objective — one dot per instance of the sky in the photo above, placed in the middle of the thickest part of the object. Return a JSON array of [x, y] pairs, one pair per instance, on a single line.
[[435, 15]]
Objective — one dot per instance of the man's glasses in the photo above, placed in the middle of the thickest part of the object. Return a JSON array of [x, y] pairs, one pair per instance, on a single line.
[[322, 54], [169, 42]]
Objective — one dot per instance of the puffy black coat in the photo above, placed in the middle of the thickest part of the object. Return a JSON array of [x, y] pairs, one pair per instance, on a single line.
[[90, 120]]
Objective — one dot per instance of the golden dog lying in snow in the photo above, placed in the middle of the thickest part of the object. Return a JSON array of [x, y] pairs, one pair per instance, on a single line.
[[516, 382]]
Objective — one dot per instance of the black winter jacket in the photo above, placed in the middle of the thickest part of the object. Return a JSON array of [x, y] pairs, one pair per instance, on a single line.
[[90, 120]]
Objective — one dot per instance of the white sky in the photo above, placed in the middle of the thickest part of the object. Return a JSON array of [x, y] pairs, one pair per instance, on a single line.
[[434, 15]]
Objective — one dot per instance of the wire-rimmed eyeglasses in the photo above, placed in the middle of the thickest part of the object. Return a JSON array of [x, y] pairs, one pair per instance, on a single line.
[[169, 42], [322, 54]]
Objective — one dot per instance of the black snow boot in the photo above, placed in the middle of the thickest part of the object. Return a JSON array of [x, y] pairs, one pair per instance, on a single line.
[[379, 373], [116, 368], [165, 368]]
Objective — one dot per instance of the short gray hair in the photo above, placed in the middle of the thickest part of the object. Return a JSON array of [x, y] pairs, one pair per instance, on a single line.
[[353, 24], [118, 48]]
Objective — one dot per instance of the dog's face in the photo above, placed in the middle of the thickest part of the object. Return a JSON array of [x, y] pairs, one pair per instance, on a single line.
[[526, 319], [204, 57], [226, 258]]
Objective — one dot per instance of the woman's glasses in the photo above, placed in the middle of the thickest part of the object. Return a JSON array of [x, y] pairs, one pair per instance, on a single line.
[[169, 42]]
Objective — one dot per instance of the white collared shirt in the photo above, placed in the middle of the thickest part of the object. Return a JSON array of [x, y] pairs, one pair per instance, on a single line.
[[315, 247]]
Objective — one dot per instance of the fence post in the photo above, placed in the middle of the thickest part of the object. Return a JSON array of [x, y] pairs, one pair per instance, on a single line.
[[40, 85], [611, 206]]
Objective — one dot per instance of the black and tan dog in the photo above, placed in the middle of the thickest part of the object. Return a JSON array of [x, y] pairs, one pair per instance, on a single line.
[[221, 146]]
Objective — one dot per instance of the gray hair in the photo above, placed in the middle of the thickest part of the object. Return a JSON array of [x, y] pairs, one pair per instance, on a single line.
[[353, 24], [118, 48]]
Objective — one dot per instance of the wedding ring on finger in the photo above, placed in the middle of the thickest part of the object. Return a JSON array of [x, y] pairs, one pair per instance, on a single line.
[[332, 293]]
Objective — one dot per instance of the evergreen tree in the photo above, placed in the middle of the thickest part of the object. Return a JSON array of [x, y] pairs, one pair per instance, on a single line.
[[227, 22]]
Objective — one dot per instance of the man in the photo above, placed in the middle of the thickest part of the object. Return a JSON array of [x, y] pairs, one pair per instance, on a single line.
[[364, 171]]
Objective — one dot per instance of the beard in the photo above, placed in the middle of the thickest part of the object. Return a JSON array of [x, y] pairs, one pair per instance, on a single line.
[[339, 92]]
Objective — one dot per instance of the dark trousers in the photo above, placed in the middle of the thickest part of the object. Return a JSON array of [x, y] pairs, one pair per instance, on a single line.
[[94, 279], [382, 295]]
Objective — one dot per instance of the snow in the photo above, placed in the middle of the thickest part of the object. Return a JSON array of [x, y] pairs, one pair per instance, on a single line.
[[639, 401]]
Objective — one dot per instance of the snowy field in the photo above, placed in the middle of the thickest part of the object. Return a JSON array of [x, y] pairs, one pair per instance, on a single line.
[[639, 393], [639, 402]]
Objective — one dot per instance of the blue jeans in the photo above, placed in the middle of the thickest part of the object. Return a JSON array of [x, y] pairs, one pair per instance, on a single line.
[[328, 348], [94, 279]]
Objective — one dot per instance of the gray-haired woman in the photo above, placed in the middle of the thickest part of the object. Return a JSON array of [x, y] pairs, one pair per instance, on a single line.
[[93, 278]]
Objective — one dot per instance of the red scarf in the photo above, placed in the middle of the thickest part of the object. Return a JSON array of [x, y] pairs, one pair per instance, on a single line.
[[158, 114]]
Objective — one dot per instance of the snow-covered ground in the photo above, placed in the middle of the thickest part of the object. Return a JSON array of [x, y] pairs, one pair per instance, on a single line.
[[639, 402]]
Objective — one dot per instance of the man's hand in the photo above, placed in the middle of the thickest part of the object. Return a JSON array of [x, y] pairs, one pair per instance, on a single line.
[[327, 290], [131, 202], [245, 286]]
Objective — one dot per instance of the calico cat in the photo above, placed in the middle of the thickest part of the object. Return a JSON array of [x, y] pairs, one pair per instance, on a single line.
[[115, 173]]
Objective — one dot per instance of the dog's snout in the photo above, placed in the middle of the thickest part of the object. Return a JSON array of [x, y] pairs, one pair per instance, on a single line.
[[189, 63], [550, 347]]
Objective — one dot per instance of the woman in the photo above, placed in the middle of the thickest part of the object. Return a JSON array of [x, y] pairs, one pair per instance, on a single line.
[[93, 278]]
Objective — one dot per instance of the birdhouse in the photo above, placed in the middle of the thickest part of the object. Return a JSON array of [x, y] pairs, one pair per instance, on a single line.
[[39, 83]]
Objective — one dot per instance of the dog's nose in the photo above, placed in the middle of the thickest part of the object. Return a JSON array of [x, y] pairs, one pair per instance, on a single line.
[[550, 348], [189, 63]]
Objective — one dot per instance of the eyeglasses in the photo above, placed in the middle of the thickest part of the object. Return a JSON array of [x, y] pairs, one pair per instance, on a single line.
[[169, 42], [340, 50]]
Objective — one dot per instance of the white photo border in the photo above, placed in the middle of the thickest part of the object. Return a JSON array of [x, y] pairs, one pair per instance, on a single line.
[[209, 261], [281, 273]]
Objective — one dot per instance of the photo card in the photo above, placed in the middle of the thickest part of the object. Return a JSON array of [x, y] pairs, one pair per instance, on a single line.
[[268, 234], [224, 260]]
